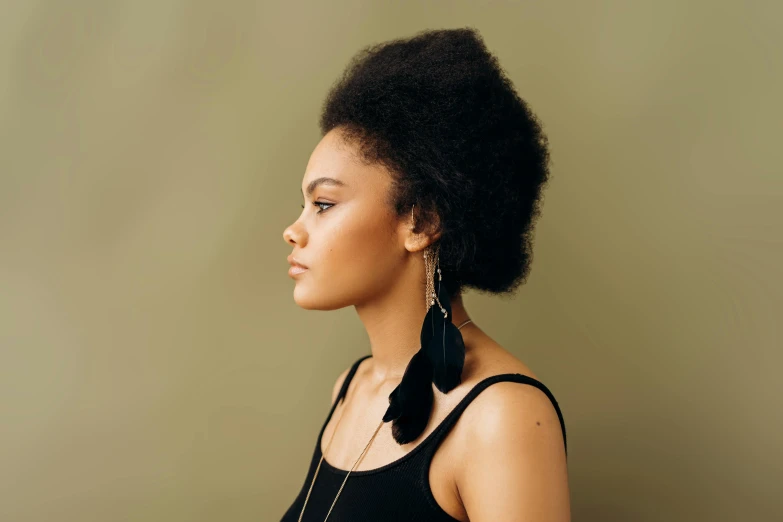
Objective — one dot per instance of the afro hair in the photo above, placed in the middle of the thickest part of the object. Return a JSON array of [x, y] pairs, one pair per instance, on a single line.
[[439, 113]]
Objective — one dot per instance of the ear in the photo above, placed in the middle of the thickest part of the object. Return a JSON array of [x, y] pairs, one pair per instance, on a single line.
[[419, 231]]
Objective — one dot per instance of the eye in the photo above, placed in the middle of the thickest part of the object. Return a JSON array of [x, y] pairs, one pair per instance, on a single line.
[[319, 205]]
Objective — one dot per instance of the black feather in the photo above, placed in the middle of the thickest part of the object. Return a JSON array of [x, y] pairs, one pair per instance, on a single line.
[[443, 344], [410, 403]]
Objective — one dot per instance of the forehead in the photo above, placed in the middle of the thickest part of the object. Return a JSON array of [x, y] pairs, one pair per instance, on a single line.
[[334, 163]]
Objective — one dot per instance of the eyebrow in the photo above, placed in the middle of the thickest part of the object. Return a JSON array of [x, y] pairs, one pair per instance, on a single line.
[[323, 181]]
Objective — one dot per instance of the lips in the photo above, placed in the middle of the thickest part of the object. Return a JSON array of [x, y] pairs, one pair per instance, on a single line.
[[294, 263], [296, 267], [296, 270]]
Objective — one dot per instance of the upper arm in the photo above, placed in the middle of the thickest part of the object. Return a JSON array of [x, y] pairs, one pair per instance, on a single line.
[[514, 467], [339, 383]]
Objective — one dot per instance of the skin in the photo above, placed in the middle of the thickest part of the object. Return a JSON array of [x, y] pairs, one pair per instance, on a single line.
[[504, 458]]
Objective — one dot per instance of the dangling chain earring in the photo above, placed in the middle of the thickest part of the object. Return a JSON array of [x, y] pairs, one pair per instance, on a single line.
[[430, 265]]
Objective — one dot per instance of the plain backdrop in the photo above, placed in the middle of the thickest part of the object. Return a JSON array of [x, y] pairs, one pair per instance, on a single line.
[[153, 363]]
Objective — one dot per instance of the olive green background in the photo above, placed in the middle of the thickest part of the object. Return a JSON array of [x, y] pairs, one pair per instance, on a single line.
[[153, 364]]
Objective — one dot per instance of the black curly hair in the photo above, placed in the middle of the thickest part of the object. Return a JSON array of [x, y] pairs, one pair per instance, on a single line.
[[439, 113]]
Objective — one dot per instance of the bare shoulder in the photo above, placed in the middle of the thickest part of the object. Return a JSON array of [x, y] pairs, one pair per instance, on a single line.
[[508, 406], [513, 407], [512, 435]]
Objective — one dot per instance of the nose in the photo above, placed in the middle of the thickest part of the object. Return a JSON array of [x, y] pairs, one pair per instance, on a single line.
[[292, 235]]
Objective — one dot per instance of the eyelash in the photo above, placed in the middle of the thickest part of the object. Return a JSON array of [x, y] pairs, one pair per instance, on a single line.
[[319, 203]]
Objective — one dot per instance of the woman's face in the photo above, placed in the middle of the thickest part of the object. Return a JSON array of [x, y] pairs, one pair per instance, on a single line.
[[347, 234]]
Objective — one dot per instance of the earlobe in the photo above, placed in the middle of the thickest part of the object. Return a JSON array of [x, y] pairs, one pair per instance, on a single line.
[[417, 243]]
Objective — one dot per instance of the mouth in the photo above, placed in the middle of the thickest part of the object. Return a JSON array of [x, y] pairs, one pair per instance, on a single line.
[[296, 270], [296, 267]]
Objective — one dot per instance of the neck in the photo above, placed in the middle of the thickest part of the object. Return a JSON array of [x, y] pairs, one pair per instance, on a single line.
[[393, 323]]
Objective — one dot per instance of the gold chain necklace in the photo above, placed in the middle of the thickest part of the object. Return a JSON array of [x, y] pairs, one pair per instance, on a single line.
[[354, 464]]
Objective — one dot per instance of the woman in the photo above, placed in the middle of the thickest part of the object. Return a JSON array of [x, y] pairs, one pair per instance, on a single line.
[[426, 182]]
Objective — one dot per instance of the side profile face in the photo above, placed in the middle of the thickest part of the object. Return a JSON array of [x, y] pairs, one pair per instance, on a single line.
[[347, 235]]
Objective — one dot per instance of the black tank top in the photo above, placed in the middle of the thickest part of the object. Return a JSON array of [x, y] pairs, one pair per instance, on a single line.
[[396, 491]]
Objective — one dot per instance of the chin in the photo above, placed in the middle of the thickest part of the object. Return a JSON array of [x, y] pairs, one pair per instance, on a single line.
[[308, 299]]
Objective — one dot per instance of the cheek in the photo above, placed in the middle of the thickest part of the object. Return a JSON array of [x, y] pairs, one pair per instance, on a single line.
[[360, 244]]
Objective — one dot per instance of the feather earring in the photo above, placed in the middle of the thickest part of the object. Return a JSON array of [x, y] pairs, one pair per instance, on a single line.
[[439, 360], [439, 336]]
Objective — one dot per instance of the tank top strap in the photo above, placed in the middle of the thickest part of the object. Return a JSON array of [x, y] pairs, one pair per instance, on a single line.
[[343, 390], [349, 377], [451, 419]]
